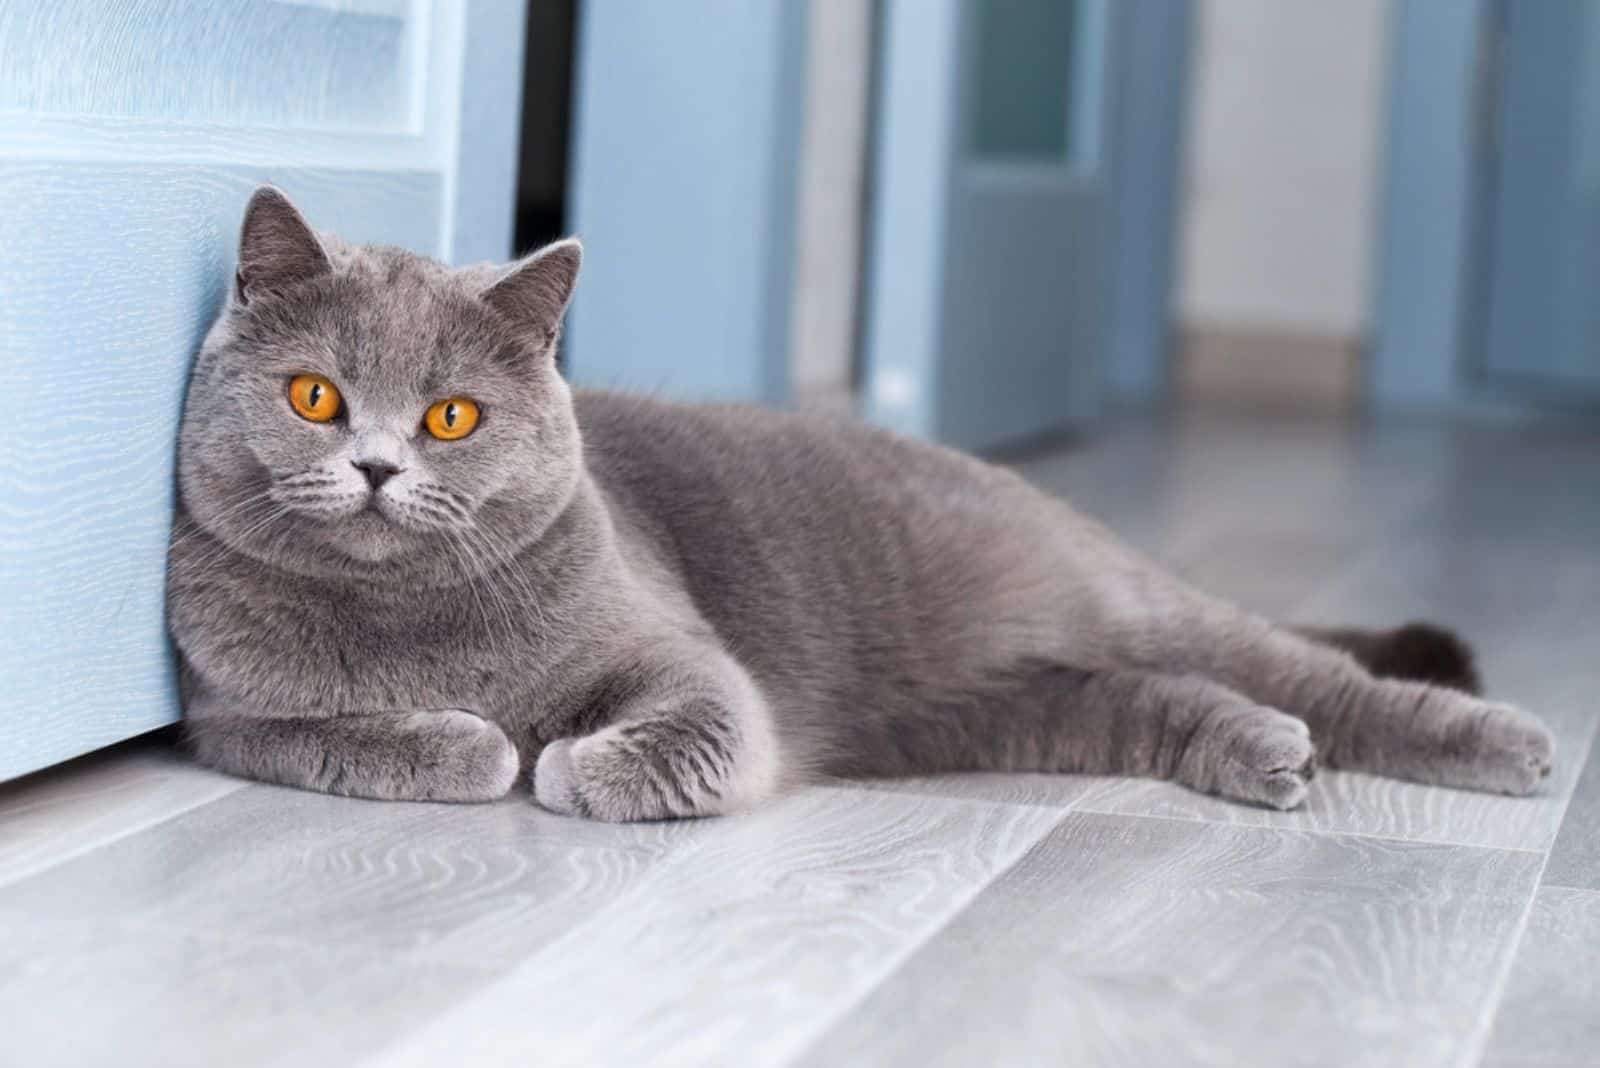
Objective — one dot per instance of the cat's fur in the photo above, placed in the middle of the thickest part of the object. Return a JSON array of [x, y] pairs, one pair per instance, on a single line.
[[665, 610]]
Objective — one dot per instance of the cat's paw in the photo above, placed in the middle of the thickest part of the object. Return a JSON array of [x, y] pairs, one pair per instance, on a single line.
[[459, 756], [1260, 755], [555, 780], [1513, 751]]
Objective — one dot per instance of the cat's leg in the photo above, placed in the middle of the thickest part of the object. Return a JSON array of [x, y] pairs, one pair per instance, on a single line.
[[1403, 729], [1040, 716], [445, 755], [689, 737]]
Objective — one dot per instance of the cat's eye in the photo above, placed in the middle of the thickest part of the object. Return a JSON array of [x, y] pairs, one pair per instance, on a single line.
[[452, 418], [314, 397]]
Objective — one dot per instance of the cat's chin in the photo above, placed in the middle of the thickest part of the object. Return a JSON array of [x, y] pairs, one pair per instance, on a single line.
[[369, 538]]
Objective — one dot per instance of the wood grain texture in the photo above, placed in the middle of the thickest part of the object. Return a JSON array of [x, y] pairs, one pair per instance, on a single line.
[[734, 951], [1575, 854], [278, 64], [1122, 940], [483, 885], [98, 992], [68, 811], [1550, 1013], [106, 329]]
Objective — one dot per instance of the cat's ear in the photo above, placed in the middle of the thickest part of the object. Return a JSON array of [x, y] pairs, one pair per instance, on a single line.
[[276, 246], [534, 292]]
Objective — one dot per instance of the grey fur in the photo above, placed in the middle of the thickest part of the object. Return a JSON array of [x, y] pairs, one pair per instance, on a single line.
[[666, 610]]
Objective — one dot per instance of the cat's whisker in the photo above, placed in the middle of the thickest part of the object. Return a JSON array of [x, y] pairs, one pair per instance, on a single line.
[[196, 528], [490, 585], [458, 554], [199, 570], [520, 583]]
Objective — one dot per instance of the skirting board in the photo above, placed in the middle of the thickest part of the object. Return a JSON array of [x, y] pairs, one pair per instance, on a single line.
[[1270, 367]]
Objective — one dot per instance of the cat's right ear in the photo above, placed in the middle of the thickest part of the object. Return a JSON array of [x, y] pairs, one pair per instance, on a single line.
[[277, 248]]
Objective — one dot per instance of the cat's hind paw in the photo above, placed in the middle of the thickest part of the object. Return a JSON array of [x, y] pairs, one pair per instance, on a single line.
[[1514, 752]]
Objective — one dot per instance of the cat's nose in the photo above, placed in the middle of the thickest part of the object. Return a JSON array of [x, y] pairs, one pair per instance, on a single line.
[[377, 471]]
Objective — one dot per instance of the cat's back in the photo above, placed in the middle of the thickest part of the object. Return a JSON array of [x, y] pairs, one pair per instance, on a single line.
[[671, 459], [809, 539]]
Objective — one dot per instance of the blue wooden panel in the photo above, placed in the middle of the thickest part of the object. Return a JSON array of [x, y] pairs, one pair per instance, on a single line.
[[990, 273], [112, 275], [1431, 192], [1544, 297], [131, 134], [683, 186], [909, 211], [313, 63], [1147, 135], [479, 46]]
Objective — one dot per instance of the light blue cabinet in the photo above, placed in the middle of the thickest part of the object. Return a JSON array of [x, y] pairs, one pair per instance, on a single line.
[[131, 134]]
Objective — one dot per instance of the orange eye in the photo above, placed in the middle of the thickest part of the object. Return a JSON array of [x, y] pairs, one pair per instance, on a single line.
[[451, 419], [314, 397]]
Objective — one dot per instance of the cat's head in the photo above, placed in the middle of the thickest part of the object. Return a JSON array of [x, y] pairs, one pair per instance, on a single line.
[[367, 412]]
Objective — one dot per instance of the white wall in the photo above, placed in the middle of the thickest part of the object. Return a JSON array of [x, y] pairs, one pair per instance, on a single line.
[[828, 224], [1279, 207]]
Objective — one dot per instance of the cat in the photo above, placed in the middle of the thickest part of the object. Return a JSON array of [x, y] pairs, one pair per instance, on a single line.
[[409, 562]]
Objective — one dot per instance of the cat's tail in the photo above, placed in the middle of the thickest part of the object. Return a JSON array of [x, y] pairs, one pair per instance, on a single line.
[[1420, 652]]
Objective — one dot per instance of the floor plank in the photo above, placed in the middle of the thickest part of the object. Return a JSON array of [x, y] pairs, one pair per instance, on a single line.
[[108, 992], [1575, 856], [1146, 941], [59, 814], [1550, 1013], [731, 951], [483, 885]]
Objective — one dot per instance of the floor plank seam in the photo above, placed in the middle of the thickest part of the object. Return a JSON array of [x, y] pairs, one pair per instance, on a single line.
[[1089, 807], [12, 878], [893, 964], [1479, 1044]]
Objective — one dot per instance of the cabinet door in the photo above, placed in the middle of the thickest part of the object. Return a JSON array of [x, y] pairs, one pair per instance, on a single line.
[[990, 269], [1544, 275], [131, 134]]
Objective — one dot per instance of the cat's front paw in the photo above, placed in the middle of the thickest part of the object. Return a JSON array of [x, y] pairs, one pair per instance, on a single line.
[[555, 780], [1261, 755], [460, 756]]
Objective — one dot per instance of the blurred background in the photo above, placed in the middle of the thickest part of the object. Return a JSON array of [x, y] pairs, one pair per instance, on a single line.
[[991, 223], [986, 221]]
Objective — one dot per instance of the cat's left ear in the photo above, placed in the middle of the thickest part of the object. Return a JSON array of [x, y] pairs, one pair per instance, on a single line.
[[534, 292]]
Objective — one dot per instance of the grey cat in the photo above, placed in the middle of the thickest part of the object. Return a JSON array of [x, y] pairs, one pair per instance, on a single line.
[[410, 563]]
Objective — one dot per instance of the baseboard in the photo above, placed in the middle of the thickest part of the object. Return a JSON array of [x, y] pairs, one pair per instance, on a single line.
[[1267, 367]]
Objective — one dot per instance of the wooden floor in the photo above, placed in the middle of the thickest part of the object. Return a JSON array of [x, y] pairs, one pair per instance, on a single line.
[[154, 913]]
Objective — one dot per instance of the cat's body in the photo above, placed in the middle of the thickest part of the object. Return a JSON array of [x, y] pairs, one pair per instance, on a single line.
[[696, 606]]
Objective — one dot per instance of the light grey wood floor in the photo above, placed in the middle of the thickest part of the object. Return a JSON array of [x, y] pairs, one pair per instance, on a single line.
[[155, 913]]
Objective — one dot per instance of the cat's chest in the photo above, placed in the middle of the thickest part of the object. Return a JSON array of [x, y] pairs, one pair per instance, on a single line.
[[299, 646]]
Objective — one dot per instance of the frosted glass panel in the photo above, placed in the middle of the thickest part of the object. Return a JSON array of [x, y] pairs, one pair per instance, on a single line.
[[1023, 78], [320, 64]]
